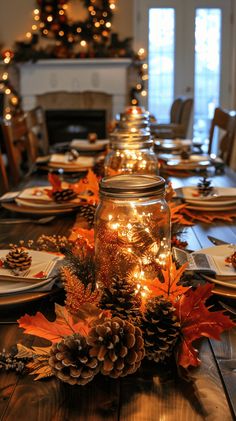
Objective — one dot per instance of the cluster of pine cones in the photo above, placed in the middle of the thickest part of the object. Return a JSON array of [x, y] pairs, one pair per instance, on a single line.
[[116, 346], [113, 347]]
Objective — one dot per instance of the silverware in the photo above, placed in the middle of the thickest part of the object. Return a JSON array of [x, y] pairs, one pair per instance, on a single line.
[[40, 221], [216, 241]]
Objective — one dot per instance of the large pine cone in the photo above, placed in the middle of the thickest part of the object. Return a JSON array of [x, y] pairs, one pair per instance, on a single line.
[[121, 298], [18, 259], [70, 360], [118, 345], [160, 329], [64, 195]]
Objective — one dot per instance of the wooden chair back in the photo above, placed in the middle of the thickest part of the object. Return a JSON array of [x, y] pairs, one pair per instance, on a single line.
[[4, 184], [36, 123], [185, 115], [20, 150], [225, 121], [175, 111]]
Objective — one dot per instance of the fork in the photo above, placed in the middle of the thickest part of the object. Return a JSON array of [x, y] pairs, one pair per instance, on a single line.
[[40, 221]]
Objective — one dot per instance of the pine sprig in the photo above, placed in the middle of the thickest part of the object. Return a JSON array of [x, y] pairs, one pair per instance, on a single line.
[[82, 266]]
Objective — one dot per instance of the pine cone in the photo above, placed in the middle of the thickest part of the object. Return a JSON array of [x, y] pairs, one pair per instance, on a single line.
[[87, 212], [160, 329], [99, 169], [18, 260], [70, 360], [64, 195], [118, 345], [122, 299], [204, 186], [232, 259]]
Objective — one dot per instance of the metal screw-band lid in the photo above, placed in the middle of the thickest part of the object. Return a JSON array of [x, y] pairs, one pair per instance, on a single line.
[[132, 186]]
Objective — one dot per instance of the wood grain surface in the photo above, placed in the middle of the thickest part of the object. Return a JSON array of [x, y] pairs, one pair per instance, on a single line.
[[153, 393]]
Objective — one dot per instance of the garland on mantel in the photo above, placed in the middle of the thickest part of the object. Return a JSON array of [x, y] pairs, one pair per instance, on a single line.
[[88, 38]]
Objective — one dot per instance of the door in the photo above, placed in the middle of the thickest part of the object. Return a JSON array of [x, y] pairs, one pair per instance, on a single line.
[[189, 50]]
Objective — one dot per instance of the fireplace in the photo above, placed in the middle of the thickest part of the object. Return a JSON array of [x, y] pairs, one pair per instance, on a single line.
[[66, 125], [74, 76]]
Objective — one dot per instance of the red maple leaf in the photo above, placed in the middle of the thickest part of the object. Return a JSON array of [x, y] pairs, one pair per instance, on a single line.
[[197, 321], [55, 182], [40, 274]]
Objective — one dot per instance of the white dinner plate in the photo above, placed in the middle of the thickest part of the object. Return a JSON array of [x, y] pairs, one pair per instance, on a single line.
[[227, 284], [215, 208], [219, 195], [192, 163]]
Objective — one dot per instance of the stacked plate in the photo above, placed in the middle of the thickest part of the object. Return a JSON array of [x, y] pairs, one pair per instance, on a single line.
[[66, 162], [37, 281], [219, 199], [35, 200], [193, 162], [225, 277], [173, 146]]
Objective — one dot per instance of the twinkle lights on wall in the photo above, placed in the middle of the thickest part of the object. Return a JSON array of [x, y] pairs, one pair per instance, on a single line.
[[139, 91], [10, 97]]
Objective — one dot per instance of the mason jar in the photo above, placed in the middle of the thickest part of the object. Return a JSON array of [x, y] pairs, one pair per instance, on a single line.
[[132, 229], [134, 116], [131, 152]]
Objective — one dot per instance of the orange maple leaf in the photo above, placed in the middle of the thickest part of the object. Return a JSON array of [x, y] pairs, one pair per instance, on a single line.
[[82, 236], [64, 325], [196, 321], [86, 186], [170, 288]]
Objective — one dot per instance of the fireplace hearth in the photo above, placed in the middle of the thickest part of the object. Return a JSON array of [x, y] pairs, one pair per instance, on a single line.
[[66, 125]]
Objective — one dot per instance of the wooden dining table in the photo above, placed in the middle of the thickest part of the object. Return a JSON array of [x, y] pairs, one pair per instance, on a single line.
[[154, 392]]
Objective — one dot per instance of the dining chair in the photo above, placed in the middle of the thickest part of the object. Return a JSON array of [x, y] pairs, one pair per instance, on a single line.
[[4, 183], [19, 147], [225, 121], [37, 127], [180, 117]]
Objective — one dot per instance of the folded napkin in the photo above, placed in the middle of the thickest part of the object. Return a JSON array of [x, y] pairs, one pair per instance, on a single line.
[[85, 145], [63, 161]]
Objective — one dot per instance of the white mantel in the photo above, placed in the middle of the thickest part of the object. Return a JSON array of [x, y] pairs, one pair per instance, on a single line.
[[74, 75]]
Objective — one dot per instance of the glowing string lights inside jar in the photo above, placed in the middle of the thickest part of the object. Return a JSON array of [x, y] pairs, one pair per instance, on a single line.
[[132, 229]]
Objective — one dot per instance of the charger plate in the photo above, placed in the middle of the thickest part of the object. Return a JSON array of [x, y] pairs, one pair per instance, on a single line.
[[13, 207], [224, 291]]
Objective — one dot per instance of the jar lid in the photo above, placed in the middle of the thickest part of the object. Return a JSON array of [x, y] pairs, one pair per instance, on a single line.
[[132, 186]]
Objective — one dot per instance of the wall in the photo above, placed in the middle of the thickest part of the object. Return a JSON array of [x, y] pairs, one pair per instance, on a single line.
[[16, 18]]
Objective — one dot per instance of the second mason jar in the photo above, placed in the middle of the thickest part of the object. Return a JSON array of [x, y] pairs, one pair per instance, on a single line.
[[131, 152], [132, 229]]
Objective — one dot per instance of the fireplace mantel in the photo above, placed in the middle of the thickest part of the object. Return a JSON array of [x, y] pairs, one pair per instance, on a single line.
[[75, 75]]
